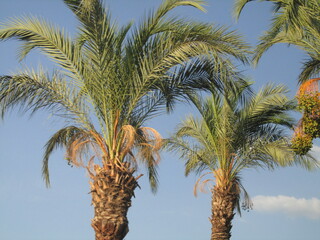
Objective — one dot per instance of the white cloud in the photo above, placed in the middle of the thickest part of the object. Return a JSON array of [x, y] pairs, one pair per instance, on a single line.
[[291, 206]]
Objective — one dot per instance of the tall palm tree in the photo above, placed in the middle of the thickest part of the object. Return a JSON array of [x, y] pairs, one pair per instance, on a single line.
[[235, 132], [109, 81], [294, 22]]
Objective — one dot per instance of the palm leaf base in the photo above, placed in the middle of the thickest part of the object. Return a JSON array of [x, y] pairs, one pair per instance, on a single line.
[[112, 188], [223, 204]]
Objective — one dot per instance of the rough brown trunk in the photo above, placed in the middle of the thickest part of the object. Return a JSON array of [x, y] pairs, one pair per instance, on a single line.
[[223, 206], [112, 188]]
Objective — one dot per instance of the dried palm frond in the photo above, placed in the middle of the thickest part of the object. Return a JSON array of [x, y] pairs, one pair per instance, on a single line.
[[128, 139], [201, 184]]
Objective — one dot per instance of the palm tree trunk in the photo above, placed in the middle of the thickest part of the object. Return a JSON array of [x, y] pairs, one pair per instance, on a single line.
[[112, 189], [223, 205]]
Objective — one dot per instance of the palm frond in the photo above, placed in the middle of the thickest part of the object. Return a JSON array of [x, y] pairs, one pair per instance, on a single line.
[[246, 204], [295, 22], [148, 143], [307, 161], [238, 7], [310, 69], [36, 33], [33, 91], [269, 105], [155, 22], [62, 138]]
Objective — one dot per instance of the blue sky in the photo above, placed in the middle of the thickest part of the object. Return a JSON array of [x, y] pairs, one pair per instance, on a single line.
[[286, 201]]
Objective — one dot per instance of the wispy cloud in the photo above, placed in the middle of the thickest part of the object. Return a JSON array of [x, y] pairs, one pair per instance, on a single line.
[[291, 206]]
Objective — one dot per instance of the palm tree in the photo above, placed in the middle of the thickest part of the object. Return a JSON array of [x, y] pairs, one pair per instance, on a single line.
[[109, 81], [235, 132], [295, 22]]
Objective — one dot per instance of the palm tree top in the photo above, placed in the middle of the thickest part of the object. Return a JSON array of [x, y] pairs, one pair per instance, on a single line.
[[237, 132], [110, 80]]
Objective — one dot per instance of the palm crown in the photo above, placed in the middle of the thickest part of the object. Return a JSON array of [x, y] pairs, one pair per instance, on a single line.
[[236, 132], [117, 77]]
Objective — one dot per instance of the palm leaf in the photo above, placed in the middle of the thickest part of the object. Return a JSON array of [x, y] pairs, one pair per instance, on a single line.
[[36, 90], [63, 138], [36, 33]]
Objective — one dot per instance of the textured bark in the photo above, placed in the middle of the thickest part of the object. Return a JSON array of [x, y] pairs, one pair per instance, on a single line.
[[112, 188], [223, 206]]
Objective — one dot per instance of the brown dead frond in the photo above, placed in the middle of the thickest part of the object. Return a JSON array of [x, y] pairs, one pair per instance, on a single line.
[[101, 144], [128, 140], [201, 184], [123, 166], [151, 144], [154, 138], [86, 144], [204, 185], [138, 177], [75, 151], [90, 167]]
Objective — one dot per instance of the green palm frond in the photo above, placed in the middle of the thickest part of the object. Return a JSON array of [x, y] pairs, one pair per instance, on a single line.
[[291, 15], [194, 75], [295, 22], [308, 44], [238, 7], [307, 161], [310, 69], [196, 158], [37, 90], [36, 33], [156, 22], [269, 105]]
